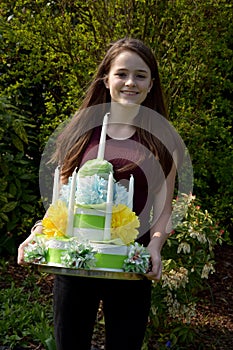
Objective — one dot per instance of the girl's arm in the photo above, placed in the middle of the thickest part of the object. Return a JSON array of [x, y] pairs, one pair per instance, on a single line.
[[161, 226], [36, 229]]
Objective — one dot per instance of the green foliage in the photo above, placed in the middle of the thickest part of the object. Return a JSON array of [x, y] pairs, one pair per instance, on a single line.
[[17, 187], [193, 42], [188, 259], [25, 317], [50, 51]]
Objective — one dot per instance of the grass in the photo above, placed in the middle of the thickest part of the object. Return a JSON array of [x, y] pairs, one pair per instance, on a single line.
[[25, 311]]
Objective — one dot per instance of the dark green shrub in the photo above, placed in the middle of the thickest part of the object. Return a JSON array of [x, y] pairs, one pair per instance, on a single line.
[[18, 177], [51, 49]]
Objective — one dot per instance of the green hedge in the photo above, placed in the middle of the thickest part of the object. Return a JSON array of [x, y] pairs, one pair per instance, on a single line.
[[49, 52]]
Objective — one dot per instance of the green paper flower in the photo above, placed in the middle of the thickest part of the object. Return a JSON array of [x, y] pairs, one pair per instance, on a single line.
[[96, 167], [138, 259], [79, 255], [36, 252]]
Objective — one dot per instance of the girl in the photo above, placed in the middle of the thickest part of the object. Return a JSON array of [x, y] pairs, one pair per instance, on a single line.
[[126, 85]]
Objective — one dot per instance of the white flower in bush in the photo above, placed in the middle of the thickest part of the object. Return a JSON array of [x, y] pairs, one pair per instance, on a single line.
[[185, 247]]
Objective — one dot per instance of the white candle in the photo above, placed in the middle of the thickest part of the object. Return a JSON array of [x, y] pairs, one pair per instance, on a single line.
[[131, 192], [102, 142], [108, 217], [56, 185], [110, 188], [69, 229]]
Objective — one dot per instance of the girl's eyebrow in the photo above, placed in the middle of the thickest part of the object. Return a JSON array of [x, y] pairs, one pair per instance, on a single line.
[[137, 70]]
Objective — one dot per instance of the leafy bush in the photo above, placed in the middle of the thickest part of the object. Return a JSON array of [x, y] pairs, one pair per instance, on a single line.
[[188, 259], [18, 195], [50, 51]]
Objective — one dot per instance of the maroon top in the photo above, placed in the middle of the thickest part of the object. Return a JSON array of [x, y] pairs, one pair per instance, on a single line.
[[147, 173]]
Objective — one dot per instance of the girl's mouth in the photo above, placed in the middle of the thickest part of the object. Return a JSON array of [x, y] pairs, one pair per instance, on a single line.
[[129, 93]]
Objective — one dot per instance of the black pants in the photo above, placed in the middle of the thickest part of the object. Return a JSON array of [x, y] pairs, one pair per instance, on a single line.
[[126, 306]]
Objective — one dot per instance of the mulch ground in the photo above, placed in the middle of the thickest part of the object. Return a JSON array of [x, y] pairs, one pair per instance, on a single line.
[[214, 319]]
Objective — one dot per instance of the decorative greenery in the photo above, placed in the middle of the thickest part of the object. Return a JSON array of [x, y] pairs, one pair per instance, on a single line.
[[79, 255], [36, 252], [138, 259]]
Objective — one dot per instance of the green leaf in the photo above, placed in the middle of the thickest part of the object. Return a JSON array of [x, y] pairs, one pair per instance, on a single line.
[[20, 130], [50, 343], [4, 217], [27, 207], [9, 207], [12, 189], [3, 197], [29, 198], [17, 142], [3, 184]]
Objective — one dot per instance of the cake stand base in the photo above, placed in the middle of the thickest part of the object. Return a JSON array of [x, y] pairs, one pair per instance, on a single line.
[[91, 273]]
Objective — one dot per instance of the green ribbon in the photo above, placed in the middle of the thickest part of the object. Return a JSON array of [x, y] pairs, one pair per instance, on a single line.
[[110, 261], [89, 221], [49, 238], [54, 255]]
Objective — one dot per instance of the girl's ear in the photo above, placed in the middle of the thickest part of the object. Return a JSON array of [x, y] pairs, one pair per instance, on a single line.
[[106, 81], [150, 86]]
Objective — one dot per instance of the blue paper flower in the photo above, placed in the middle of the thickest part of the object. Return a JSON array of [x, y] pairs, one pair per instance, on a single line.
[[91, 190], [120, 195], [65, 191]]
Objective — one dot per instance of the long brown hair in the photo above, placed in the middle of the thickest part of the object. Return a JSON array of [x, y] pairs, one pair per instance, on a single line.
[[74, 138]]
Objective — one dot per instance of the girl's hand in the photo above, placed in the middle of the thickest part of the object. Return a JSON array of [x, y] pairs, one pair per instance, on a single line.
[[20, 259], [37, 229], [156, 270]]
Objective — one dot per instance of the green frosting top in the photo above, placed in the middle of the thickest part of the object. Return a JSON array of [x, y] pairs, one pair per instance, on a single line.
[[96, 166]]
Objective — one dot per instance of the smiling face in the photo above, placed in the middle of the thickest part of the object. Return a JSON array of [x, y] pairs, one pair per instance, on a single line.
[[129, 79]]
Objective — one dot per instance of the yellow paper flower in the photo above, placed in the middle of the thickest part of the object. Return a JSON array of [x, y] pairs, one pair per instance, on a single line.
[[54, 225], [124, 224]]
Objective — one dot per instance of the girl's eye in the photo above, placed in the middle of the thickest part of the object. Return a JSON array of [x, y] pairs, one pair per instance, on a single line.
[[141, 76], [121, 75], [124, 75]]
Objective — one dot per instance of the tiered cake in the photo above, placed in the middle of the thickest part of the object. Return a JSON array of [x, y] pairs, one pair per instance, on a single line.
[[90, 223]]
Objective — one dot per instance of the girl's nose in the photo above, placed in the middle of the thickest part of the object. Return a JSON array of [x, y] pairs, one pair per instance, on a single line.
[[130, 82]]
